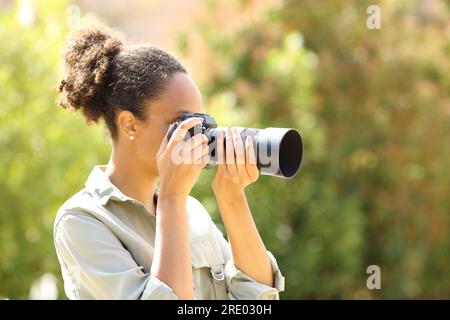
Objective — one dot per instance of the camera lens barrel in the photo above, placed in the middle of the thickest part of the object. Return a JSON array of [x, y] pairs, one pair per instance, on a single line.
[[279, 151]]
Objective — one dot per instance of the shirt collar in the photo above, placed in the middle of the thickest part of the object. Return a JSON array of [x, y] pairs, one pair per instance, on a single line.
[[99, 185]]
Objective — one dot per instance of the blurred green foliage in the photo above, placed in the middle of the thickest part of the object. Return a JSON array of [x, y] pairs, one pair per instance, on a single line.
[[373, 108], [44, 156]]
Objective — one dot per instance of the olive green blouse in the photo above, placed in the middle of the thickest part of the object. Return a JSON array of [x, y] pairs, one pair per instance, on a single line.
[[104, 241]]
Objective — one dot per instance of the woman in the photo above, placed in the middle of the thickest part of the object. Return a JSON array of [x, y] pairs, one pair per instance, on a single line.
[[122, 237]]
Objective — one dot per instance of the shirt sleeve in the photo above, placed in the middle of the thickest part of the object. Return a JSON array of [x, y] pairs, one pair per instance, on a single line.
[[240, 285], [95, 263]]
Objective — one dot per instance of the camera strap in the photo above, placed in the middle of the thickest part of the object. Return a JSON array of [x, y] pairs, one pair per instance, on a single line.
[[219, 282]]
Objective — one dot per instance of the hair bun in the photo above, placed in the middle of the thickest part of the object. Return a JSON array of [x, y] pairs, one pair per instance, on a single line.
[[87, 59]]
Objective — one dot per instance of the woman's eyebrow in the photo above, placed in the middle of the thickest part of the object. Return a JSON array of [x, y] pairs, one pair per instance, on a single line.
[[177, 114], [180, 112]]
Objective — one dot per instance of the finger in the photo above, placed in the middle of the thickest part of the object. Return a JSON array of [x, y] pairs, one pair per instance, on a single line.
[[251, 155], [194, 148], [177, 154], [182, 129], [199, 153], [239, 150], [251, 166], [181, 150], [195, 141], [220, 153], [204, 161], [229, 153]]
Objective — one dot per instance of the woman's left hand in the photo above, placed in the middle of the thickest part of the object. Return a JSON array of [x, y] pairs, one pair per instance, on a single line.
[[237, 169], [236, 165]]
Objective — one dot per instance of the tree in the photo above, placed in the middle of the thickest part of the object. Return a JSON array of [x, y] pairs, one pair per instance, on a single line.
[[43, 147], [372, 106]]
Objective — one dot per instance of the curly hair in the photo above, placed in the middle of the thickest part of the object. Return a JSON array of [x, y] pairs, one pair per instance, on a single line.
[[102, 76]]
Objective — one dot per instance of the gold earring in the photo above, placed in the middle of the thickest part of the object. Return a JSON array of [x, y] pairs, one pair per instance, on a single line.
[[131, 137]]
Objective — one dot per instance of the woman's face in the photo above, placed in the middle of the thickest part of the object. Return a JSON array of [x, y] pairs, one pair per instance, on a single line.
[[180, 95]]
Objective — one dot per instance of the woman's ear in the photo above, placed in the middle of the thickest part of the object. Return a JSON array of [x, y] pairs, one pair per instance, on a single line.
[[126, 123]]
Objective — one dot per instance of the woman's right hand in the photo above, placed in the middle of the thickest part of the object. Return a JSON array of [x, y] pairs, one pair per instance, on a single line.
[[180, 162]]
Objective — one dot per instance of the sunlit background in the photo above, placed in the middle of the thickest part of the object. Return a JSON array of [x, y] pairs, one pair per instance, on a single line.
[[372, 105]]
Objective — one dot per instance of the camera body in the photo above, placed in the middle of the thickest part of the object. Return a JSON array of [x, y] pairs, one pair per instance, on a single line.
[[279, 151], [208, 123]]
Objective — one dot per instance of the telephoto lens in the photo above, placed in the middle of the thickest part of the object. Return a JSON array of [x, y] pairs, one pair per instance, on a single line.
[[278, 151]]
